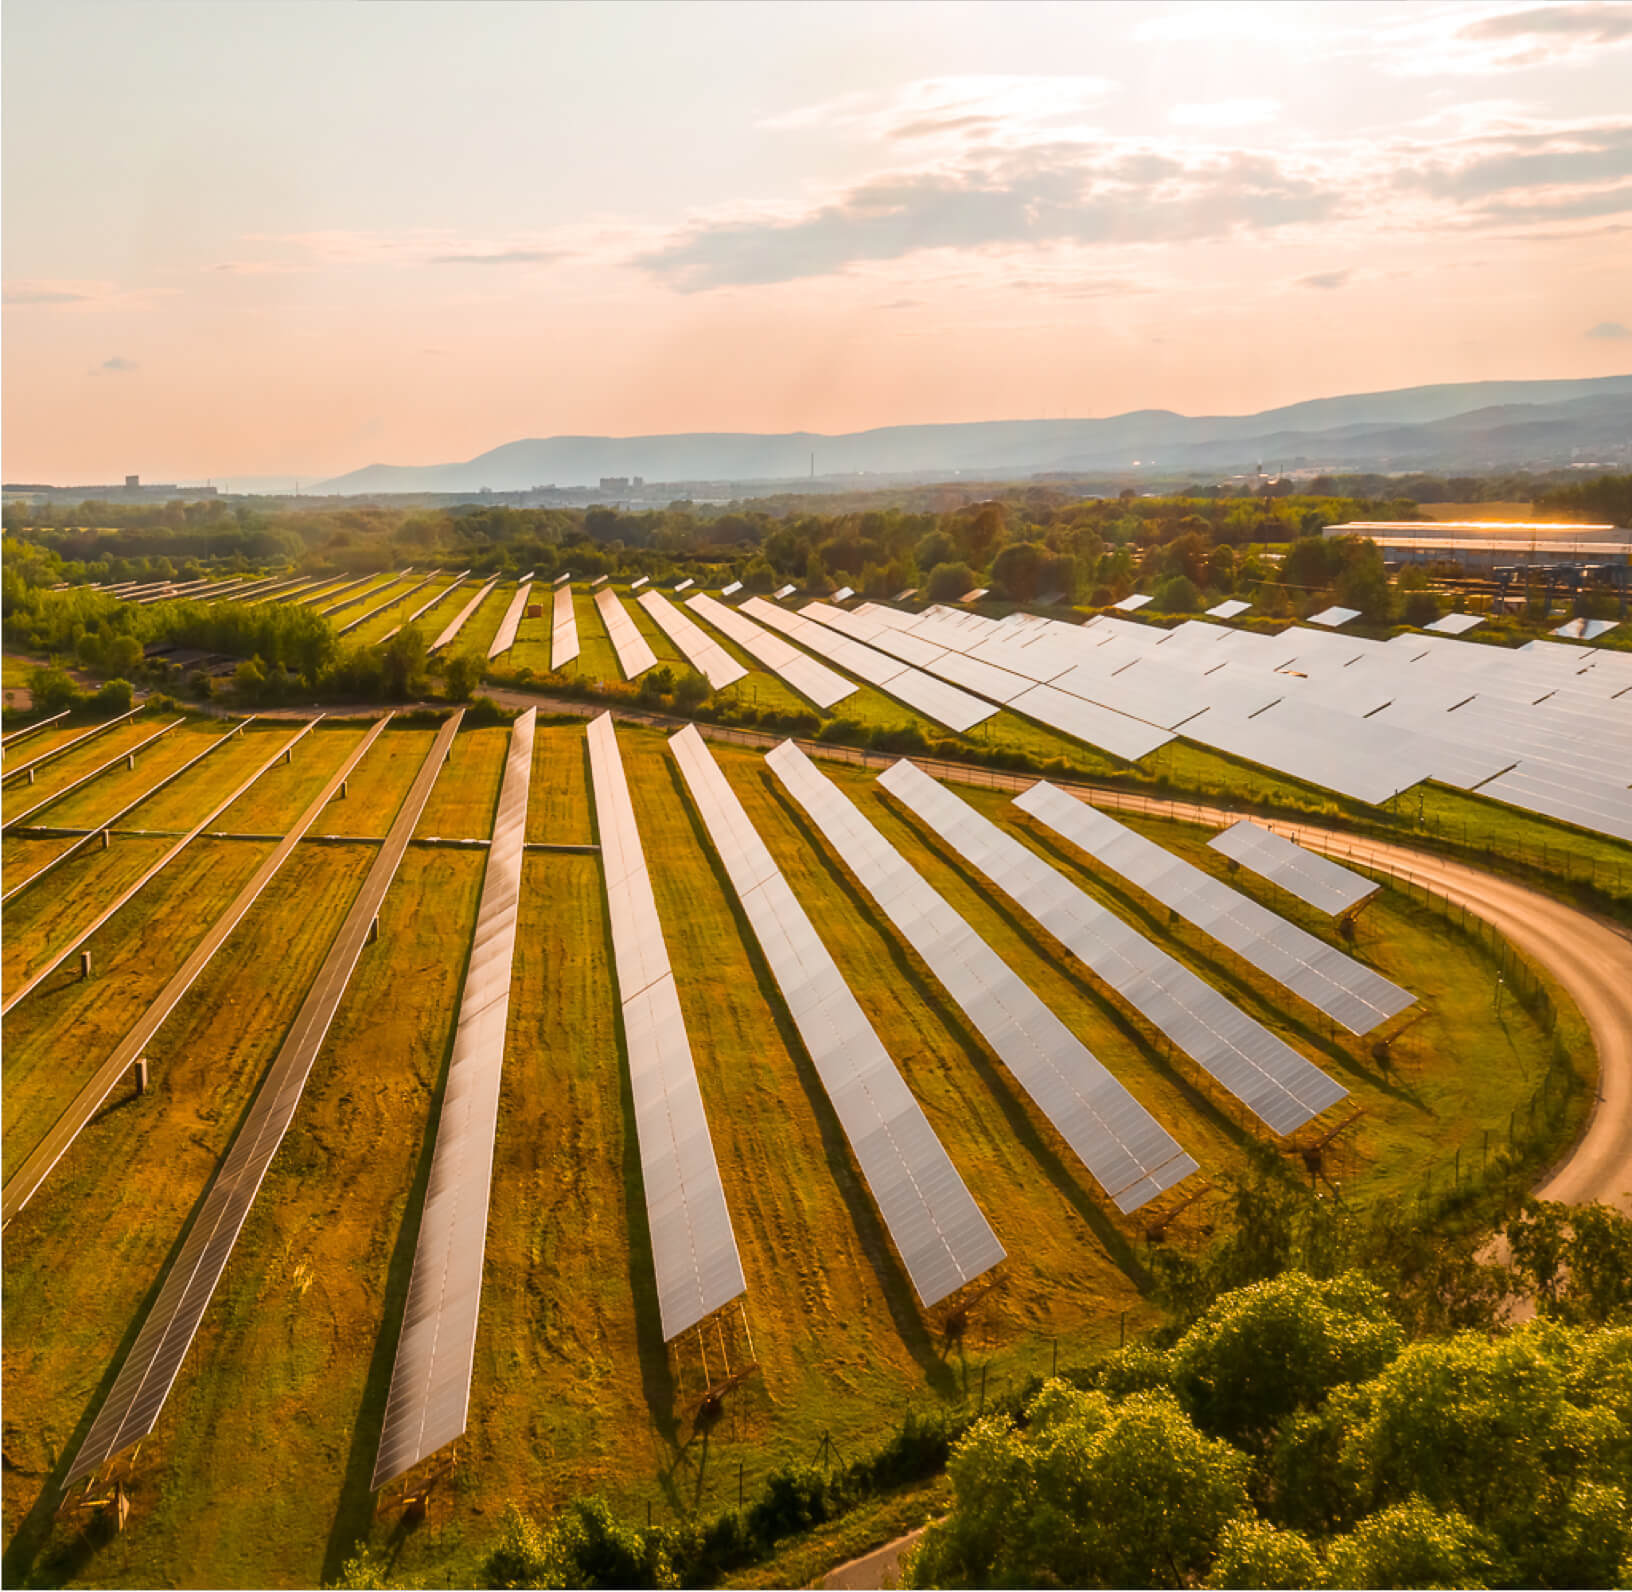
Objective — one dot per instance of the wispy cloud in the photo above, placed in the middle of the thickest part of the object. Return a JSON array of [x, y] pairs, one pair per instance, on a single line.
[[37, 293], [119, 364], [501, 257], [1327, 281], [1506, 38], [1225, 113], [1608, 331]]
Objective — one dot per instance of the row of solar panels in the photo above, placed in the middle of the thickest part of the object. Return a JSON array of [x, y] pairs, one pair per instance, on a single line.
[[942, 1236]]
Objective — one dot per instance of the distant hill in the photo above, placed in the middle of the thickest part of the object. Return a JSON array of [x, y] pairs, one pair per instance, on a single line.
[[1466, 425]]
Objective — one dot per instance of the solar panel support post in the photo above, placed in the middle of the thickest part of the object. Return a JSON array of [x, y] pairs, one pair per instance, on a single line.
[[130, 762], [139, 1075], [373, 931], [84, 964], [106, 836]]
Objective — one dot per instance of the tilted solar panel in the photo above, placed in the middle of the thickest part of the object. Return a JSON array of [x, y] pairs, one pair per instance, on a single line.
[[459, 620], [700, 649], [943, 1239], [694, 1251], [635, 655], [429, 1397], [1310, 877], [1344, 989], [563, 628], [810, 679], [506, 638], [1271, 1079], [1132, 1156]]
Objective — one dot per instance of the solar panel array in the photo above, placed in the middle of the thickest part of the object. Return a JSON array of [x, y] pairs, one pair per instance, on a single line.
[[1312, 878], [1345, 990], [1455, 624], [50, 799], [699, 649], [390, 602], [21, 1185], [369, 595], [939, 1232], [809, 678], [732, 589], [511, 623], [457, 623], [563, 629], [936, 699], [1271, 1079], [1334, 616], [694, 1250], [1229, 609], [1129, 604], [1131, 1155], [62, 748], [1586, 629], [784, 591], [426, 606], [429, 1398], [132, 1407], [635, 655]]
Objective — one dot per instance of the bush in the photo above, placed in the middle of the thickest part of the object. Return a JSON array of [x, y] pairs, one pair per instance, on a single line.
[[53, 689], [948, 582], [115, 696]]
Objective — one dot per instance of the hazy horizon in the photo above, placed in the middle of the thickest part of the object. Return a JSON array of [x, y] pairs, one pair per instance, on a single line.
[[268, 240]]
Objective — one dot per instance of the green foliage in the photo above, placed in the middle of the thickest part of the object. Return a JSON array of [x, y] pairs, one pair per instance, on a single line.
[[403, 664], [460, 676], [948, 582], [52, 689], [1412, 1545], [1253, 1553], [1177, 595], [1092, 1494], [1278, 1346], [526, 1556], [1576, 1260], [113, 697]]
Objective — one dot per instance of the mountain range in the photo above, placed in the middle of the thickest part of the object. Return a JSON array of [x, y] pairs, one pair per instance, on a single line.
[[1461, 426]]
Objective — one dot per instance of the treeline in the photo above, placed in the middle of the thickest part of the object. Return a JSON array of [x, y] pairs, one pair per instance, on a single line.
[[1607, 499]]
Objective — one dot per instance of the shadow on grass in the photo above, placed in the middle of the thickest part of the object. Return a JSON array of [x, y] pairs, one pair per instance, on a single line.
[[998, 1081], [902, 1302]]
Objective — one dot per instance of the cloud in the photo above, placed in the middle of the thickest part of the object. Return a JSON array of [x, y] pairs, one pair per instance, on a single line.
[[501, 257], [1326, 280], [1609, 331], [1102, 192], [120, 364], [1225, 113], [1508, 39], [34, 293]]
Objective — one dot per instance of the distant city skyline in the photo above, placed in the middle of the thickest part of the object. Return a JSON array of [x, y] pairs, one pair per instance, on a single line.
[[264, 240]]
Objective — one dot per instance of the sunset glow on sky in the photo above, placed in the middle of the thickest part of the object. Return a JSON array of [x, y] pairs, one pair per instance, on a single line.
[[251, 241]]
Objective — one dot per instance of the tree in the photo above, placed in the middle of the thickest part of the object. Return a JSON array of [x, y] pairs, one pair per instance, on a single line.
[[1015, 571], [249, 680], [115, 696], [1413, 1545], [1221, 568], [52, 688], [690, 690], [1281, 1345], [1177, 595], [404, 665], [1090, 1495], [948, 582], [1253, 1553], [460, 676]]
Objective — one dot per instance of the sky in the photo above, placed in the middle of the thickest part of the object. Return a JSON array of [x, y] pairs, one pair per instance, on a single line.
[[250, 241]]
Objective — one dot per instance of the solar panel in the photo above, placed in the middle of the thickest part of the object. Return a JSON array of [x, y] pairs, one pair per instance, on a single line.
[[784, 591], [563, 629], [1455, 624], [1129, 1153], [429, 1397], [684, 585], [1334, 616], [694, 1251], [635, 585], [599, 581], [36, 1167], [735, 586], [939, 1232], [506, 638], [1590, 804], [700, 649], [457, 623], [1586, 629], [974, 596], [809, 678], [935, 699], [132, 1407], [390, 602], [842, 593], [635, 655], [1229, 609], [1129, 604], [119, 759], [1271, 1079], [1310, 877], [426, 606], [366, 596], [62, 748], [1345, 990]]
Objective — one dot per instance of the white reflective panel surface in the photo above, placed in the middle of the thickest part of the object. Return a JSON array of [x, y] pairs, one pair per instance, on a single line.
[[812, 680], [635, 656], [699, 649], [564, 628]]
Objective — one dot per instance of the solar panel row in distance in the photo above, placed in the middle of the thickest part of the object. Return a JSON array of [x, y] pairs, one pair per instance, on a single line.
[[563, 628], [943, 1239], [1345, 990], [700, 649], [935, 699], [1315, 879], [511, 623], [635, 656], [132, 1407], [694, 1251], [1132, 1156], [1264, 1073], [809, 678], [429, 1398], [459, 620]]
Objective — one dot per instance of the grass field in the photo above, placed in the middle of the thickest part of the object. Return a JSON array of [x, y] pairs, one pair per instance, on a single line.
[[370, 632], [21, 796], [574, 1390]]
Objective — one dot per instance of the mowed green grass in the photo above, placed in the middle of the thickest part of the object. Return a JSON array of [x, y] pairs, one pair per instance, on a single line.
[[573, 1389], [22, 797], [278, 798]]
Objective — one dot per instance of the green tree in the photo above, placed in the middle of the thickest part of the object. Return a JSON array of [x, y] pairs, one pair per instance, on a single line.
[[52, 688], [690, 691], [461, 674], [1413, 1545], [404, 665], [948, 582], [1253, 1553], [115, 696], [250, 682], [1090, 1495]]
